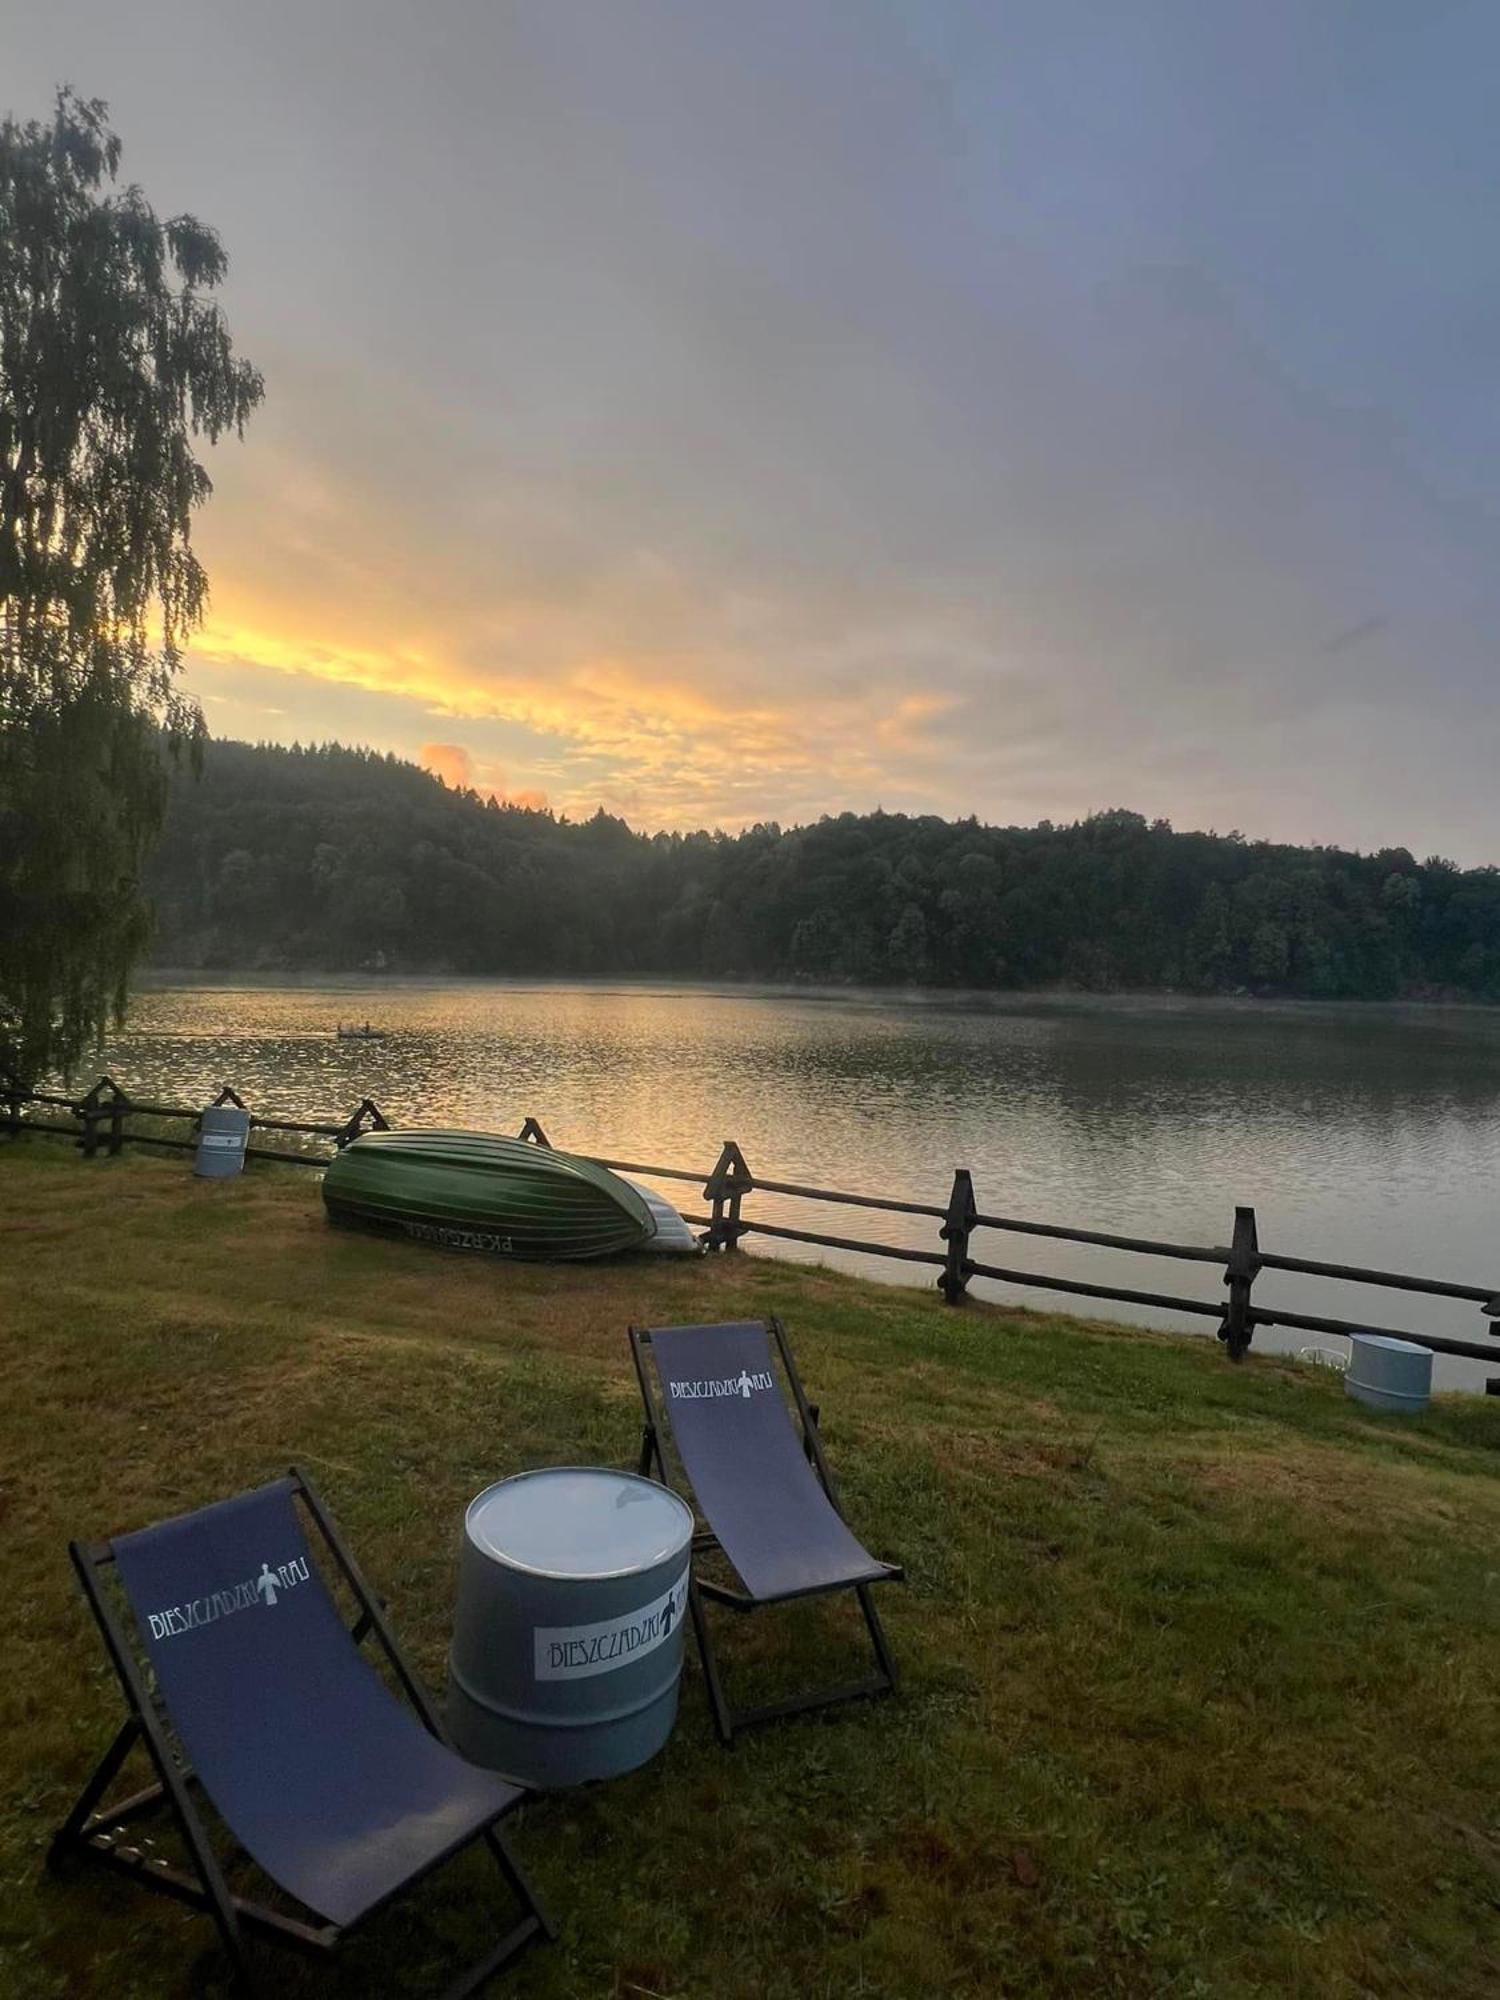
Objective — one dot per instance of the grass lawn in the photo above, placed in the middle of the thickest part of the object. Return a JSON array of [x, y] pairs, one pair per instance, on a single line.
[[1201, 1662]]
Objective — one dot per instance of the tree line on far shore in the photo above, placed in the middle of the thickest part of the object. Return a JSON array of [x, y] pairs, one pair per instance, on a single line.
[[334, 859]]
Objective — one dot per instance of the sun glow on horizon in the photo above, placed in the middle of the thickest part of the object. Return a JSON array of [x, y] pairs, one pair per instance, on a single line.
[[647, 737]]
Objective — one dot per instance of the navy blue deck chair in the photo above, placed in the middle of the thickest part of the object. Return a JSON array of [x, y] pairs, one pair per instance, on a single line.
[[766, 1495], [265, 1706]]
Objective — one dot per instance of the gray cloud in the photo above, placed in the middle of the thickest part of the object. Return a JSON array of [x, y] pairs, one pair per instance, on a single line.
[[1087, 367]]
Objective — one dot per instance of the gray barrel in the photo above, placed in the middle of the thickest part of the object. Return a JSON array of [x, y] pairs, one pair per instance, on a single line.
[[567, 1641], [1389, 1374], [222, 1137]]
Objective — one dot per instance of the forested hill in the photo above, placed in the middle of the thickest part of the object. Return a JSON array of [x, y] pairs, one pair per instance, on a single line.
[[341, 860]]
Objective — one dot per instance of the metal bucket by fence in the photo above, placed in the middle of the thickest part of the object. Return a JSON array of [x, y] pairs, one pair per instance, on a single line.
[[222, 1137], [567, 1641], [1388, 1374]]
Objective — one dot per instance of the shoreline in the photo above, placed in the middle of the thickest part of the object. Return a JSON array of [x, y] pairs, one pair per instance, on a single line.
[[166, 978]]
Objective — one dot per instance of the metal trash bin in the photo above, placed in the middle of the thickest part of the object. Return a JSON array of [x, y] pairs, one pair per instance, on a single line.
[[568, 1635], [223, 1134], [1389, 1374]]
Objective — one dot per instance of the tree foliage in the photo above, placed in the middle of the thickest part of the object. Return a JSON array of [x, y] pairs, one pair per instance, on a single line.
[[113, 362], [340, 859]]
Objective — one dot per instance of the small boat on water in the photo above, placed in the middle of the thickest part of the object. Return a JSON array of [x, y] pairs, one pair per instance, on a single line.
[[479, 1191], [364, 1034]]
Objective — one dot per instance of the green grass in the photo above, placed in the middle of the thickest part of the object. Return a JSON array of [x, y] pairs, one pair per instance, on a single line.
[[1202, 1677]]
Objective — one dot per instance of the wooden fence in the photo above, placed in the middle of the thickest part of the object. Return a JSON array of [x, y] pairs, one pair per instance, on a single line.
[[100, 1124]]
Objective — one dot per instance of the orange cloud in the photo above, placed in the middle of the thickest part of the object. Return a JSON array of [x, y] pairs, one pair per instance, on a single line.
[[904, 722], [665, 736], [454, 764], [618, 676], [450, 762]]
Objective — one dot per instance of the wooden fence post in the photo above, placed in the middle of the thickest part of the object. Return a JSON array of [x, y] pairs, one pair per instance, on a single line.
[[117, 1105], [366, 1108], [957, 1227], [1238, 1327], [532, 1130], [728, 1184], [87, 1110]]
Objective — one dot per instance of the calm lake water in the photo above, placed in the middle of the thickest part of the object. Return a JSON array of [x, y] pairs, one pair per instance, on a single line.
[[1362, 1135]]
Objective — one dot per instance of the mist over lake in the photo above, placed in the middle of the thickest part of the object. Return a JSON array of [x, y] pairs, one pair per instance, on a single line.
[[1365, 1135]]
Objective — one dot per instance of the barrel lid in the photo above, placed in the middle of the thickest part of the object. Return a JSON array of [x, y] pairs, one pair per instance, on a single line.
[[1389, 1343], [578, 1521]]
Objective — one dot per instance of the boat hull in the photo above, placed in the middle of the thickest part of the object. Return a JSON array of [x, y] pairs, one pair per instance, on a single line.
[[477, 1191]]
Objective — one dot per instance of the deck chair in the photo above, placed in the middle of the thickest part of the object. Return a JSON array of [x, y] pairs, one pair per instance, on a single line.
[[767, 1496], [339, 1791]]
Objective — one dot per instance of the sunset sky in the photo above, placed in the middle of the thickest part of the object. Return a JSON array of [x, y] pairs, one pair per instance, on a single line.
[[723, 410]]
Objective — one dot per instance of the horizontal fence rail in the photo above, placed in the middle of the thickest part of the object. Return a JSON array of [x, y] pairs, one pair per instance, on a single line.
[[101, 1123]]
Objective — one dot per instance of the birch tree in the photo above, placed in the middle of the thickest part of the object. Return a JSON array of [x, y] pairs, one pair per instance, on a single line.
[[115, 362]]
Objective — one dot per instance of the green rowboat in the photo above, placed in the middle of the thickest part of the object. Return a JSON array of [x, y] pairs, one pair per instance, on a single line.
[[478, 1191]]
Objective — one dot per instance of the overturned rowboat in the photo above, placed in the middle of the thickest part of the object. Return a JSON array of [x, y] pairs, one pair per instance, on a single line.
[[479, 1191]]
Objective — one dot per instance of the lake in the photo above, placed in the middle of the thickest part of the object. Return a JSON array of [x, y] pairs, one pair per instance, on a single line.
[[1363, 1135]]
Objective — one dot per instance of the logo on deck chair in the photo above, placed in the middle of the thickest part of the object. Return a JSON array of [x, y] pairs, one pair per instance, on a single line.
[[744, 1384], [264, 1589]]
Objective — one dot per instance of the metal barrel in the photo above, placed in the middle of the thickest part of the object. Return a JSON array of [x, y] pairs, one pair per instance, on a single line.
[[1389, 1374], [223, 1134], [568, 1632]]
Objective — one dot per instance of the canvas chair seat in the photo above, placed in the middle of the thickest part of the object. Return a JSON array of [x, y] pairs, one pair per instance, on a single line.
[[766, 1494], [323, 1777], [342, 1793], [750, 1474]]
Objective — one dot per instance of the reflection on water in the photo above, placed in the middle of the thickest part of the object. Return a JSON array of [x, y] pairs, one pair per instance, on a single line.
[[1361, 1135]]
